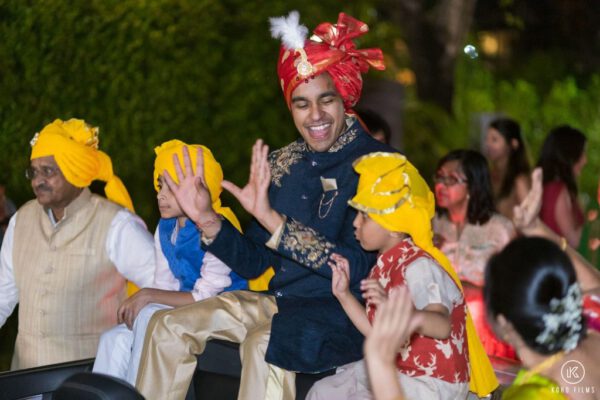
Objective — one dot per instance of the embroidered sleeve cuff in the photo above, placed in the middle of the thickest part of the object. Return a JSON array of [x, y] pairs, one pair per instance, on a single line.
[[273, 242], [304, 245]]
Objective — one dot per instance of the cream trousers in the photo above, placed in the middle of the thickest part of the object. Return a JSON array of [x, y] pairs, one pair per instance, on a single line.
[[175, 337]]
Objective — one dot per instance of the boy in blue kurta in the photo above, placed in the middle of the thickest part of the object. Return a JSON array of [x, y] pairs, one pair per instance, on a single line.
[[184, 272]]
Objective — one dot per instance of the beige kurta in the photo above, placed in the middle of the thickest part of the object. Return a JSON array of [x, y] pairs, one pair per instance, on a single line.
[[69, 290]]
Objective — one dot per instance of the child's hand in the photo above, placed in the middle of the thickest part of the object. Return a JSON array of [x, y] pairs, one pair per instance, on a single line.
[[191, 192], [373, 292], [130, 308], [340, 278]]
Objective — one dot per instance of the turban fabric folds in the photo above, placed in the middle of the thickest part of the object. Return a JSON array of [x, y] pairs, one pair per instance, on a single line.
[[393, 193], [330, 50], [74, 145]]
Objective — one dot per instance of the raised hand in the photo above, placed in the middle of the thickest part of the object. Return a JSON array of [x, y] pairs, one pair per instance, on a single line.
[[373, 292], [191, 193], [393, 324], [525, 215], [254, 196], [340, 278]]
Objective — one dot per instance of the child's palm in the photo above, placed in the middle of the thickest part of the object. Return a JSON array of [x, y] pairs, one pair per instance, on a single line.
[[340, 278]]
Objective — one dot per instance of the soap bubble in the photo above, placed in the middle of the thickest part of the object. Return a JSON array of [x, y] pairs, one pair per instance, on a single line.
[[471, 51]]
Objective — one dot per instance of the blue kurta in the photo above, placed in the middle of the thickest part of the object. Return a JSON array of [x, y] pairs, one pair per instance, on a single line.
[[185, 257], [311, 332]]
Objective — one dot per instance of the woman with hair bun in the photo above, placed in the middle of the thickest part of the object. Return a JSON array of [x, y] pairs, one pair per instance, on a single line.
[[541, 316]]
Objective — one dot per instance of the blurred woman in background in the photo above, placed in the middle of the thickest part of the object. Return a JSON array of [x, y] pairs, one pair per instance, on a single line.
[[562, 158], [469, 231], [505, 150]]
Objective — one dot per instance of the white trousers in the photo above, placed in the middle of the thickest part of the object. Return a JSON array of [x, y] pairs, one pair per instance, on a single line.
[[120, 348]]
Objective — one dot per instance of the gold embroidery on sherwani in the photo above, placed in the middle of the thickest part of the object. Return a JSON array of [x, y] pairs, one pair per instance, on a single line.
[[307, 246], [282, 160], [343, 140]]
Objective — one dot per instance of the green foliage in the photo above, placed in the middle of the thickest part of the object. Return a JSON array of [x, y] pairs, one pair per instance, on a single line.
[[203, 71], [430, 132]]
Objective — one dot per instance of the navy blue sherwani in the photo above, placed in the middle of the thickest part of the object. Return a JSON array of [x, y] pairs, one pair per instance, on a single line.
[[311, 332]]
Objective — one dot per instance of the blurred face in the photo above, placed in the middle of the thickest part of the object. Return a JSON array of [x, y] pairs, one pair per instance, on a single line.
[[496, 147], [49, 184], [578, 166], [371, 235], [451, 189], [318, 112], [379, 135], [167, 204]]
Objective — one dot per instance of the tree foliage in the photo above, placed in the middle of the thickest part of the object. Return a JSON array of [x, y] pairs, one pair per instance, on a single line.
[[203, 71], [431, 132]]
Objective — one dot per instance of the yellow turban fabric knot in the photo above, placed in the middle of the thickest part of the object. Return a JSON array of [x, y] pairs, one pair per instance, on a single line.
[[393, 193], [74, 145], [213, 174]]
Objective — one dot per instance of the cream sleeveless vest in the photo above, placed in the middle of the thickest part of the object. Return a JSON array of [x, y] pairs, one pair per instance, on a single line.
[[69, 290]]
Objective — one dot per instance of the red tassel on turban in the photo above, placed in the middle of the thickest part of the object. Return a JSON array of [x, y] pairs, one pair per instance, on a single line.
[[331, 50]]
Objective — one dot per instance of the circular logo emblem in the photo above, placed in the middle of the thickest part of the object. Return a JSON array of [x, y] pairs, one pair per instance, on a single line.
[[572, 372]]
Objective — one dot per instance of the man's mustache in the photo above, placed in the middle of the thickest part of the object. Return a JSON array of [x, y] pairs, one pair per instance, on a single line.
[[42, 187]]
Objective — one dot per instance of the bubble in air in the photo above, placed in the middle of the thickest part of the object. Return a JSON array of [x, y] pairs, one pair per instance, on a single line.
[[471, 51]]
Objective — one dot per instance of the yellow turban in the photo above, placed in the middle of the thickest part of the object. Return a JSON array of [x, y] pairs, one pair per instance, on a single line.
[[74, 145], [393, 193], [213, 176]]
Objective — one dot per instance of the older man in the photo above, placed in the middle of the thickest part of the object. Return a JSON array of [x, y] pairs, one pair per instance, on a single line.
[[66, 255], [299, 323]]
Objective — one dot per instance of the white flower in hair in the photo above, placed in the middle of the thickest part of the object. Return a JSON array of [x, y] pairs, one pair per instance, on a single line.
[[563, 324], [289, 30]]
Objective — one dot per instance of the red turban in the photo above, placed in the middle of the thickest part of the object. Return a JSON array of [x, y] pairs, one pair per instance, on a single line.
[[331, 50]]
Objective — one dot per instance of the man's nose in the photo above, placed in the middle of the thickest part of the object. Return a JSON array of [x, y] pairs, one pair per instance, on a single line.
[[316, 112]]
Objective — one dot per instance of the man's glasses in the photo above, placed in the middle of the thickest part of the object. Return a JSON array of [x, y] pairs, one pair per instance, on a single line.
[[45, 172], [448, 180]]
